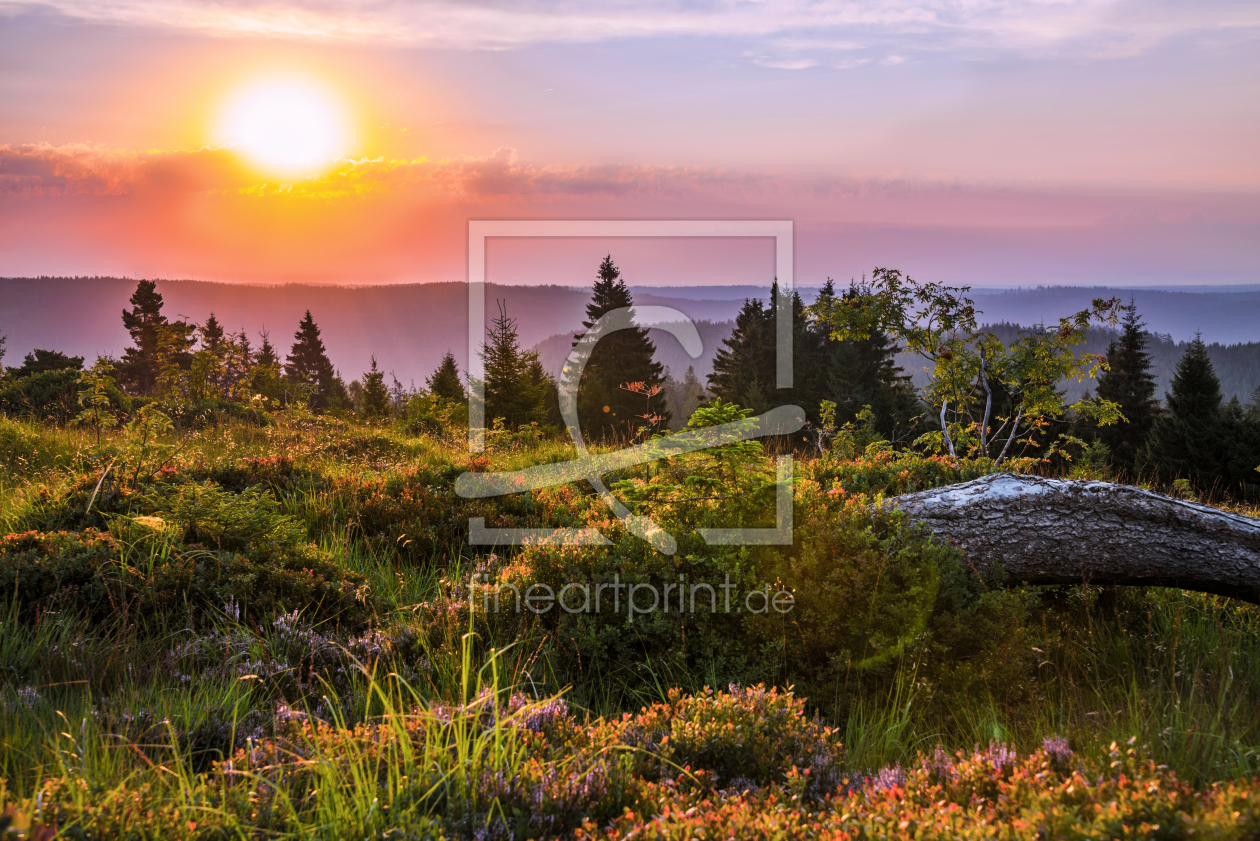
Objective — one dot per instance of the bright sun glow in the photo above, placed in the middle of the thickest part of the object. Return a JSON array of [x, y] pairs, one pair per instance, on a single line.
[[286, 127]]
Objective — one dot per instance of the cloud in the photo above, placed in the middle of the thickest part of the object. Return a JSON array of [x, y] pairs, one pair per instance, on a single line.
[[1090, 27], [42, 170], [786, 63]]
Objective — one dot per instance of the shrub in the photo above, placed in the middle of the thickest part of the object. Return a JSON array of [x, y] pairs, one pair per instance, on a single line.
[[51, 395], [745, 738], [182, 555]]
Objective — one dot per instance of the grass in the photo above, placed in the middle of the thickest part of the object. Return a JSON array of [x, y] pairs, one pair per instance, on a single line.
[[427, 722]]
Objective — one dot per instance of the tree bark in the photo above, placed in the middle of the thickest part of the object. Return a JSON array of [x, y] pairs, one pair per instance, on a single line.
[[1062, 531]]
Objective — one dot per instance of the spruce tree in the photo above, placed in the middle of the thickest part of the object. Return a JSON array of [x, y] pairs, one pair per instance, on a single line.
[[1240, 450], [744, 366], [1128, 381], [511, 392], [212, 335], [308, 364], [375, 394], [1185, 442], [617, 360], [139, 368], [445, 382], [690, 395], [3, 339], [266, 353]]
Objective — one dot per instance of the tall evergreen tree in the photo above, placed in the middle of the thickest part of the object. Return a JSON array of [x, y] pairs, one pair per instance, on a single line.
[[3, 339], [512, 391], [1185, 442], [618, 359], [852, 374], [1128, 381], [308, 364], [444, 381], [690, 395], [744, 366], [1240, 450], [139, 368], [375, 394], [213, 335]]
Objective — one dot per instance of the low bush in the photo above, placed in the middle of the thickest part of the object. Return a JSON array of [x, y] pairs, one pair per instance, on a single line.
[[745, 738], [51, 396], [180, 552]]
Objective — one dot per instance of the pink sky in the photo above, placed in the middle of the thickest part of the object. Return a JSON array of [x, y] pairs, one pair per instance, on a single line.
[[996, 143]]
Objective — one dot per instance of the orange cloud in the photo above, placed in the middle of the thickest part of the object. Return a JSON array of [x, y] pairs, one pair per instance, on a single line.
[[88, 210]]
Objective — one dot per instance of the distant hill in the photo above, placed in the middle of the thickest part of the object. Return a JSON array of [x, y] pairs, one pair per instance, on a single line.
[[1237, 365], [554, 350], [409, 327]]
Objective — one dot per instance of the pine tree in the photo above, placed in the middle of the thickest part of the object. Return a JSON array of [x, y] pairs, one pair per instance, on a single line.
[[212, 335], [445, 382], [308, 364], [1186, 441], [1128, 381], [375, 394], [511, 392], [3, 339], [1240, 450], [616, 360], [139, 368], [266, 353], [38, 361], [690, 395], [744, 367]]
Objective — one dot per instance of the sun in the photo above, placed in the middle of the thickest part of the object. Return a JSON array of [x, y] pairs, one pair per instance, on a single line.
[[287, 127]]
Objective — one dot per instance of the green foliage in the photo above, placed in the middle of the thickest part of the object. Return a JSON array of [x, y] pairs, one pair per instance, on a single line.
[[140, 364], [375, 394], [625, 356], [180, 555], [1129, 384], [848, 374], [152, 638], [52, 396], [974, 372], [745, 738], [1213, 447], [445, 381], [310, 372], [94, 396], [38, 361], [517, 390]]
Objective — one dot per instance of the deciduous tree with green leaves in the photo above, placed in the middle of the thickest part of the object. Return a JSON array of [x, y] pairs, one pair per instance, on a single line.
[[988, 395], [95, 385]]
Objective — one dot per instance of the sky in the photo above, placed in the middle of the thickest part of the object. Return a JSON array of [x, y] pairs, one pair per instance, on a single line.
[[350, 141]]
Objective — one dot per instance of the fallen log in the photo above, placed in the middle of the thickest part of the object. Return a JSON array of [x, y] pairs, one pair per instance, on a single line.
[[1064, 531]]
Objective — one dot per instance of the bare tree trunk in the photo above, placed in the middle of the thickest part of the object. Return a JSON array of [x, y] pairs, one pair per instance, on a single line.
[[1062, 531]]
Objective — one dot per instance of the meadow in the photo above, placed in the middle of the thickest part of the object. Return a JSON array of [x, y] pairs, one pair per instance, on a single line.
[[265, 626]]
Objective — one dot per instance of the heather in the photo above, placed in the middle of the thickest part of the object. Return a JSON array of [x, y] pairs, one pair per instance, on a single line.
[[260, 631], [245, 600]]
